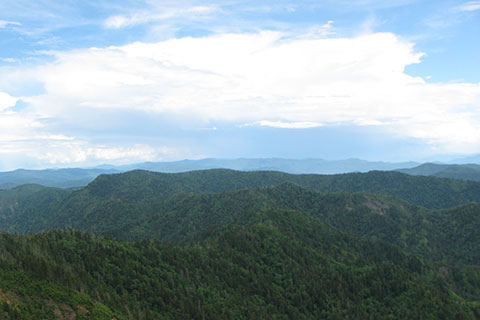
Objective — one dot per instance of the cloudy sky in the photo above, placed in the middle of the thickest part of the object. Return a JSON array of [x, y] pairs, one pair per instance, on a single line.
[[95, 81]]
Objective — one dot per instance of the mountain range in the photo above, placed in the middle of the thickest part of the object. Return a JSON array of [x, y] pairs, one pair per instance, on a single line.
[[79, 177], [225, 244]]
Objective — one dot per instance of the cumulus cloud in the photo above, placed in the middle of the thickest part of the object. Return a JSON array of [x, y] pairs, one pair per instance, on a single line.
[[266, 78], [69, 151], [14, 127], [27, 135], [57, 150]]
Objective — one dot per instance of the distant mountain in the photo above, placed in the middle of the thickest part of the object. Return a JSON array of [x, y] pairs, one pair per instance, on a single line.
[[453, 171], [297, 166], [79, 177], [60, 178]]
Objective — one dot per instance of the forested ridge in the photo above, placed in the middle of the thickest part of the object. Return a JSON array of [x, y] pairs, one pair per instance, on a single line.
[[33, 208], [430, 192], [221, 244]]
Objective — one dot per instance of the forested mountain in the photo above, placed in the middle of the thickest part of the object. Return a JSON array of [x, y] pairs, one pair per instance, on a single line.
[[27, 201], [223, 244], [453, 171], [141, 185], [182, 208], [268, 264], [112, 198]]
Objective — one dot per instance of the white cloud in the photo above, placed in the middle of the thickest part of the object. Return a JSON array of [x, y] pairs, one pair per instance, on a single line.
[[470, 6], [6, 101], [4, 23], [9, 60], [264, 78], [320, 31], [14, 130], [60, 151], [122, 21], [286, 125], [70, 152]]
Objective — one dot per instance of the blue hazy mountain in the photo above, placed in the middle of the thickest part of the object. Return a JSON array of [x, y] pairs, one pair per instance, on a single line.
[[60, 178], [319, 166], [77, 177], [453, 171]]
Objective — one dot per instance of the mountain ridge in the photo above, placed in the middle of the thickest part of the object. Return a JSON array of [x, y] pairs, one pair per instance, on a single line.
[[183, 207], [78, 177]]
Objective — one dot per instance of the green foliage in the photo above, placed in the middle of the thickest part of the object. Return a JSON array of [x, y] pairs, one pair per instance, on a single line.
[[269, 264], [188, 207], [222, 244], [429, 192], [25, 207]]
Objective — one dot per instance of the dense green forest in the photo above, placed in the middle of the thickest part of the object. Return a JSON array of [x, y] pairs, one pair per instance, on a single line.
[[32, 208], [266, 265], [430, 192], [180, 208], [222, 244]]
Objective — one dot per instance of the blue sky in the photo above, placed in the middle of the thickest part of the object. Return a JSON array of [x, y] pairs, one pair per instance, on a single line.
[[90, 82]]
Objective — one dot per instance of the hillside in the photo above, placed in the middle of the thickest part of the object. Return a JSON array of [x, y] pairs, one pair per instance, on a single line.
[[141, 185], [267, 264], [183, 208], [27, 201], [185, 219]]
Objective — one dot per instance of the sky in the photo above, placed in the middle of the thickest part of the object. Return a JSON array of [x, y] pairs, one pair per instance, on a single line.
[[89, 82]]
